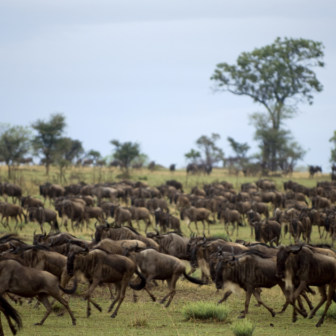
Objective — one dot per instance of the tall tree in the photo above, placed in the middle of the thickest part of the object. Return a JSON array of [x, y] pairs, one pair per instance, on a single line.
[[72, 149], [212, 153], [126, 152], [14, 144], [277, 76], [333, 150], [48, 140]]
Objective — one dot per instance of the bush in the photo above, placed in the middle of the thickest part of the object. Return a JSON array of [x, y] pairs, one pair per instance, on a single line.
[[205, 310], [331, 313], [243, 328]]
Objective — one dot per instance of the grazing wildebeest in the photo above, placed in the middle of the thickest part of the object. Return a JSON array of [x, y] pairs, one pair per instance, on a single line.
[[151, 165], [11, 190], [172, 167], [166, 220], [140, 214], [87, 162], [29, 282], [158, 266], [304, 267], [196, 215], [98, 266], [29, 201]]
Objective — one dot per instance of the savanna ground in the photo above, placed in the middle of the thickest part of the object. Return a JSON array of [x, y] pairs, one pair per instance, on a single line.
[[146, 317]]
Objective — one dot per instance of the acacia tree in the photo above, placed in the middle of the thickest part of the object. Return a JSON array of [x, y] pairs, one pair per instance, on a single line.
[[333, 150], [125, 152], [277, 76], [95, 155], [240, 149], [14, 144], [212, 153], [48, 141], [193, 155]]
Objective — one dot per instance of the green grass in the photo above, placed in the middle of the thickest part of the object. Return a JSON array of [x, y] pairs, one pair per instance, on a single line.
[[243, 328], [221, 235], [147, 317], [331, 313], [205, 311]]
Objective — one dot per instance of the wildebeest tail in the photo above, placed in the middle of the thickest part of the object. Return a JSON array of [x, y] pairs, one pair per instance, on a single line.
[[211, 221], [193, 280], [142, 284], [10, 311], [56, 225], [70, 291]]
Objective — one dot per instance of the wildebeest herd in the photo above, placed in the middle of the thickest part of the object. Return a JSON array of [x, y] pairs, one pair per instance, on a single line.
[[119, 256]]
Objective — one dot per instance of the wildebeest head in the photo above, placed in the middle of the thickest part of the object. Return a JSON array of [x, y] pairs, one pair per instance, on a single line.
[[225, 258], [72, 257], [257, 229], [99, 231], [39, 238], [282, 257]]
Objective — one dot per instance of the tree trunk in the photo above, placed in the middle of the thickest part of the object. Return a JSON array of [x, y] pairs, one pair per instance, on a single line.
[[9, 170], [47, 168]]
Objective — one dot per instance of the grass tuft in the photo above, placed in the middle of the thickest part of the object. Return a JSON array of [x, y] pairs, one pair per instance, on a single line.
[[204, 311], [243, 328], [57, 307], [331, 313], [139, 322]]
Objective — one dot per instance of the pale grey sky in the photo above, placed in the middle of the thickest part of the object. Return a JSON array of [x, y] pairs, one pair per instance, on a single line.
[[140, 70]]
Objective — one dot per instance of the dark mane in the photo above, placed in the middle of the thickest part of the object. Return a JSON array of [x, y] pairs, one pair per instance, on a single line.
[[133, 230], [263, 244], [101, 249], [165, 234], [256, 253]]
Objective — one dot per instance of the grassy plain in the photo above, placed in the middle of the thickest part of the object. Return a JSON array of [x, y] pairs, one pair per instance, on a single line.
[[146, 317]]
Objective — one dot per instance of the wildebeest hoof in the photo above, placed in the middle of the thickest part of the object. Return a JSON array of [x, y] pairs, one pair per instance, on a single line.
[[273, 313], [294, 320], [38, 323], [304, 314], [99, 308], [113, 316]]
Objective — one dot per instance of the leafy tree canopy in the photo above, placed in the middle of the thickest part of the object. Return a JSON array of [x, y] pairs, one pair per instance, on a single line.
[[126, 152], [212, 153], [14, 144]]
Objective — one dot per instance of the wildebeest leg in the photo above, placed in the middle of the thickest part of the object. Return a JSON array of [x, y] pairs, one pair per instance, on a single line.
[[304, 295], [11, 325], [257, 296], [172, 290], [121, 288], [303, 309], [204, 227], [322, 290], [110, 286], [331, 291], [149, 279], [138, 224], [247, 302], [43, 297], [225, 297], [88, 294], [1, 329], [196, 227]]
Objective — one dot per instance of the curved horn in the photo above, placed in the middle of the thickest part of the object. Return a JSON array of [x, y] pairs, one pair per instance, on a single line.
[[232, 251], [86, 246], [52, 240], [12, 245], [123, 244], [272, 241], [95, 225], [34, 232], [69, 241]]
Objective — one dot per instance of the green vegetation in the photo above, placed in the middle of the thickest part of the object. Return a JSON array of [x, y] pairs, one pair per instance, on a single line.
[[331, 313], [243, 328], [205, 311]]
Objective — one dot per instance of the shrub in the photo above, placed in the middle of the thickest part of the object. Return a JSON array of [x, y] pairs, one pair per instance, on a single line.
[[331, 313], [205, 310], [243, 328]]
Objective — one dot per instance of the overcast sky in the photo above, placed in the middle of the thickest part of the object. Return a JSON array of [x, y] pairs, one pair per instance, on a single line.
[[140, 70]]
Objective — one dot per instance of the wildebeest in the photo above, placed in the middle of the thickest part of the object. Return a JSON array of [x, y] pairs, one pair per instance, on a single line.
[[313, 170], [176, 184], [140, 214], [29, 282], [42, 215], [266, 231], [172, 167], [304, 267], [108, 231], [229, 216], [98, 267], [11, 190], [29, 201], [166, 220], [11, 210], [196, 215], [158, 266]]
